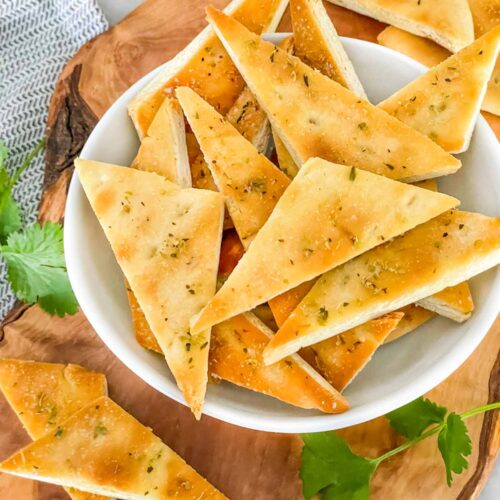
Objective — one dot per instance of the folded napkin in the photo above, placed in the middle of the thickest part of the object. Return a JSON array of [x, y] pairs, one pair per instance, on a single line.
[[37, 39]]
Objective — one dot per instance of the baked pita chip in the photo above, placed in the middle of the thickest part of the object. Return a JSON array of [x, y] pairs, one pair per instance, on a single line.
[[444, 102], [453, 302], [447, 22], [365, 136], [204, 65], [328, 215], [104, 450], [421, 49], [414, 316], [251, 122], [45, 394], [251, 184], [342, 357], [317, 44], [486, 16], [154, 228], [163, 150], [236, 356], [442, 252], [283, 305]]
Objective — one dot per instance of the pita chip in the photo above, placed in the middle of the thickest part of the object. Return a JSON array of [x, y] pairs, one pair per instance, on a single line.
[[414, 316], [447, 22], [328, 215], [365, 136], [163, 150], [167, 243], [340, 358], [421, 49], [444, 102], [104, 450], [443, 252], [204, 65], [251, 184], [236, 356], [45, 394], [317, 44]]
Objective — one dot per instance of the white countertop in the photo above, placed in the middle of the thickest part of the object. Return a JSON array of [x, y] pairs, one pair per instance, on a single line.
[[116, 10]]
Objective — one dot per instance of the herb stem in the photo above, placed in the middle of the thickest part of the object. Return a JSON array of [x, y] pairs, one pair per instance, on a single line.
[[480, 409], [27, 161], [434, 430]]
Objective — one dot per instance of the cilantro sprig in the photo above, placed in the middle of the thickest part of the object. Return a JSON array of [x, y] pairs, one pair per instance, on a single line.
[[34, 255], [330, 468]]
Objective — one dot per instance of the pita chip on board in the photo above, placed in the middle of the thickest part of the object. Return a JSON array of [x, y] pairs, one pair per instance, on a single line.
[[154, 228]]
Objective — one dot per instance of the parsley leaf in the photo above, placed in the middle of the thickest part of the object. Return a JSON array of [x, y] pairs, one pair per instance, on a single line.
[[10, 219], [454, 444], [412, 419], [36, 268], [330, 467]]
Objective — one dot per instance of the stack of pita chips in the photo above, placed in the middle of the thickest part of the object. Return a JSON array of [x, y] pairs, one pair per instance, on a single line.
[[86, 442], [330, 238]]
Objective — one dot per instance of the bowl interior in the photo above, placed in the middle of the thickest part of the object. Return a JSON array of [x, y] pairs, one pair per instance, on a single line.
[[398, 373]]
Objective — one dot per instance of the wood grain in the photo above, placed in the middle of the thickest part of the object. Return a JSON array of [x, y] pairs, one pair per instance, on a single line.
[[244, 464]]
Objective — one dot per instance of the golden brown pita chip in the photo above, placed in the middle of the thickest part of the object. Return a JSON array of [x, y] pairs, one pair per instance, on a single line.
[[45, 394], [236, 356], [444, 102], [167, 242], [204, 65], [414, 316], [329, 214], [447, 22], [104, 450], [317, 44], [163, 149], [342, 357], [442, 252], [365, 136], [250, 183]]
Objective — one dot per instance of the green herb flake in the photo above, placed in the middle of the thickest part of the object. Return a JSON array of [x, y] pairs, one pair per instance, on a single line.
[[352, 174], [100, 430], [362, 126], [59, 432], [306, 80], [322, 314]]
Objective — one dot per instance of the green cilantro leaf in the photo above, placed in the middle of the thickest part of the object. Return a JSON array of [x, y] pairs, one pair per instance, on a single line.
[[330, 468], [412, 419], [454, 444], [36, 268]]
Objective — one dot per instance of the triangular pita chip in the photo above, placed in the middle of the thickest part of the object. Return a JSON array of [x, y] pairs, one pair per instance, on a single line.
[[453, 302], [250, 121], [342, 357], [442, 252], [204, 64], [329, 214], [167, 242], [414, 316], [317, 44], [251, 184], [43, 395], [364, 137], [447, 22], [104, 450], [285, 160], [421, 49], [163, 149], [444, 102], [236, 356], [486, 16]]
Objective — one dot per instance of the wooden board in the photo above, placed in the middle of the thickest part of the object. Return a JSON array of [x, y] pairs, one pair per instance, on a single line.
[[244, 464]]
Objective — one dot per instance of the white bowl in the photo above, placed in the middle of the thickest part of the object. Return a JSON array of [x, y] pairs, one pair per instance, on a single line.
[[397, 374]]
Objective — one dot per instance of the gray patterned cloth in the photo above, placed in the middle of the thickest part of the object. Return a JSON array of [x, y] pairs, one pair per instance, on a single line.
[[37, 37]]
